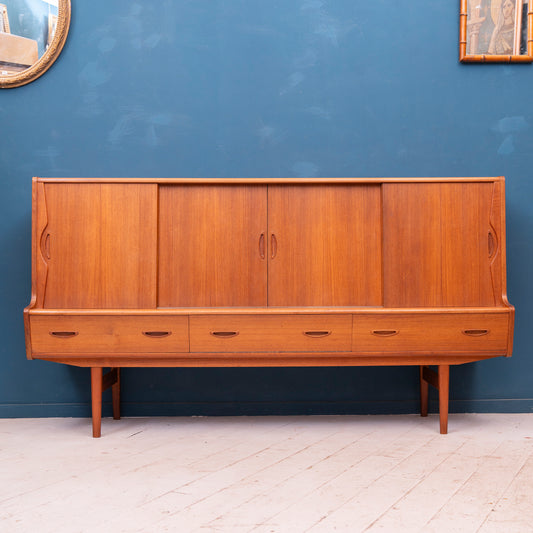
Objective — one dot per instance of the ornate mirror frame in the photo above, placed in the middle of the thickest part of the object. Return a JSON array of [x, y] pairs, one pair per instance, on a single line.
[[50, 55], [469, 30]]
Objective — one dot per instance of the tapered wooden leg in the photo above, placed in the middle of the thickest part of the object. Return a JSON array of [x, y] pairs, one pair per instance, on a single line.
[[441, 381], [444, 388], [96, 400], [424, 393], [115, 391]]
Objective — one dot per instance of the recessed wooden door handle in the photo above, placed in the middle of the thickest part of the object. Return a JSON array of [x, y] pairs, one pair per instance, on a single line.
[[63, 334], [45, 246], [317, 334], [385, 332], [491, 243], [273, 246], [224, 334], [157, 334], [262, 246], [475, 332]]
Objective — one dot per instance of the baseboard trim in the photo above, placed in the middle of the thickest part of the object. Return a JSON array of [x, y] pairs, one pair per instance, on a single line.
[[135, 409]]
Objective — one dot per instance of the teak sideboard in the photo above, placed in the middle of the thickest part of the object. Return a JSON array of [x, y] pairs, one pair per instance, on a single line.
[[268, 272]]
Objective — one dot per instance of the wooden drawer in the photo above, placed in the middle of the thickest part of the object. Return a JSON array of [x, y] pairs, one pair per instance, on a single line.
[[436, 333], [271, 333], [108, 334]]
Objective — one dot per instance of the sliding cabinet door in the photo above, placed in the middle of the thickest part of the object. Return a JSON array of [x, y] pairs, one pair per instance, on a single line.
[[324, 245], [212, 245], [441, 244], [97, 245]]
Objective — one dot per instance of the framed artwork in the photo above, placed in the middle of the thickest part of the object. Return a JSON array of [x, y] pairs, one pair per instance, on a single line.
[[4, 20], [496, 31]]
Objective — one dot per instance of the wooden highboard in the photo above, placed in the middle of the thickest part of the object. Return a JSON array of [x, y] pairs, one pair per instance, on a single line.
[[148, 272]]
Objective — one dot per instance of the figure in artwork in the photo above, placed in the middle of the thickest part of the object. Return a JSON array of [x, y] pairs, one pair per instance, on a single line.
[[495, 27], [502, 39]]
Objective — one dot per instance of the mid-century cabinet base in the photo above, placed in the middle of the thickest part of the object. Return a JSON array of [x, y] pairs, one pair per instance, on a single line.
[[101, 382], [268, 272]]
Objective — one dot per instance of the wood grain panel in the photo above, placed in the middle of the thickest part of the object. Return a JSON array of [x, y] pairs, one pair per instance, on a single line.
[[435, 333], [325, 245], [411, 245], [39, 259], [210, 251], [438, 244], [276, 333], [109, 334], [497, 252], [100, 245], [469, 244]]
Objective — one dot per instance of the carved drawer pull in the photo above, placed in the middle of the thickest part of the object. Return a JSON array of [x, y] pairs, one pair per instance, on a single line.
[[385, 332], [475, 332], [317, 334], [63, 334], [157, 334], [224, 334]]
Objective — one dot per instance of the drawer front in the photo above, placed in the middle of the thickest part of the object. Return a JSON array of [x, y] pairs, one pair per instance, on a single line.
[[108, 334], [272, 333], [441, 333]]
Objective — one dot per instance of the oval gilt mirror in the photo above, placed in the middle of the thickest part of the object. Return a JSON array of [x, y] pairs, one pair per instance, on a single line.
[[32, 35]]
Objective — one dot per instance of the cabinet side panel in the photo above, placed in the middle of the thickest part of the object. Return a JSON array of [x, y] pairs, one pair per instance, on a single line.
[[212, 245], [39, 260], [100, 245], [438, 244], [327, 245], [497, 228]]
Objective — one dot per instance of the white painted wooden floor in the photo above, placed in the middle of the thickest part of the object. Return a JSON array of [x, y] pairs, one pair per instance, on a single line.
[[268, 474]]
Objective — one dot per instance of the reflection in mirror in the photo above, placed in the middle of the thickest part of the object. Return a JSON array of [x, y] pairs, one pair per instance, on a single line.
[[496, 31], [4, 22], [32, 34]]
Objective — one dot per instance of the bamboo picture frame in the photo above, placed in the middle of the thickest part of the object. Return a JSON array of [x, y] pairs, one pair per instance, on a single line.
[[496, 31]]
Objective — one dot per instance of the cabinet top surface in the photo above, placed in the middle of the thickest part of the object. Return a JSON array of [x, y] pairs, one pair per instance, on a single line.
[[266, 181]]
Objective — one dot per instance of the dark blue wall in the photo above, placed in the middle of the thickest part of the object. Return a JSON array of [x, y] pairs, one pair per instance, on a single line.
[[248, 88]]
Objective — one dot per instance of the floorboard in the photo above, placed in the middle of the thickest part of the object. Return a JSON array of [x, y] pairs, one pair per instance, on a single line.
[[268, 474]]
